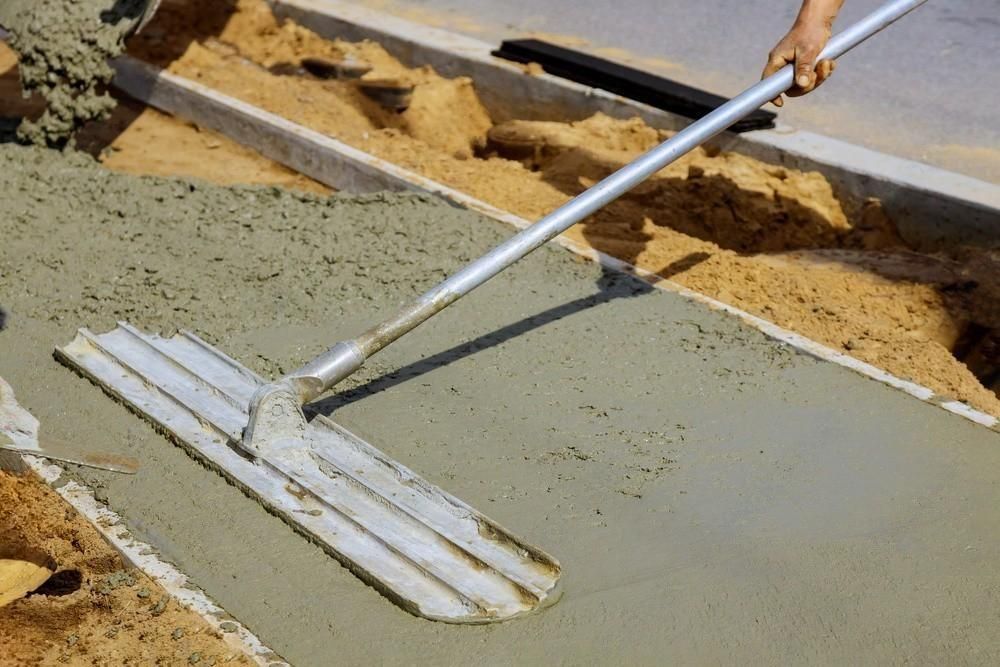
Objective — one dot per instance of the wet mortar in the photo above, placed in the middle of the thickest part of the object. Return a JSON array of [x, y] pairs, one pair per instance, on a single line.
[[64, 48], [711, 494]]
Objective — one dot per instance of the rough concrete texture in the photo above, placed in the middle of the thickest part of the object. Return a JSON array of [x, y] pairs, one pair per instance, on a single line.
[[713, 496], [64, 47]]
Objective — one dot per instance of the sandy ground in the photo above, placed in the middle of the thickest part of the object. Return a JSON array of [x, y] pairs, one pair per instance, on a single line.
[[93, 609], [773, 241]]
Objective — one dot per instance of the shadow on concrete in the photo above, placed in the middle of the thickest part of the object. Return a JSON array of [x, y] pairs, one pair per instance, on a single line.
[[613, 285], [714, 208]]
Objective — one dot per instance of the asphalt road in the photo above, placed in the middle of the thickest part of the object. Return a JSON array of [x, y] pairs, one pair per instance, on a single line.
[[927, 89]]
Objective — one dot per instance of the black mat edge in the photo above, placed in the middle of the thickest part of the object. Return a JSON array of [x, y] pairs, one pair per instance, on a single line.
[[628, 82]]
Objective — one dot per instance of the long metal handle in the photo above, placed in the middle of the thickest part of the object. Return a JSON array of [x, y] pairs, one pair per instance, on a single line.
[[346, 357]]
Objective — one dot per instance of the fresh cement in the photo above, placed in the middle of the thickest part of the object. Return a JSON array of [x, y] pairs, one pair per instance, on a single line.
[[64, 48], [712, 496]]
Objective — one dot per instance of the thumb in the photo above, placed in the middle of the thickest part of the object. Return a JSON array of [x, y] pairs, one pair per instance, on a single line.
[[805, 73]]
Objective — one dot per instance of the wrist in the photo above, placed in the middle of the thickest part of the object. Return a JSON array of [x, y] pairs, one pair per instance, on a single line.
[[817, 13]]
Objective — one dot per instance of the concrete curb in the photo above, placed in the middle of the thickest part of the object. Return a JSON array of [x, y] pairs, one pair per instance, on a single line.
[[933, 208]]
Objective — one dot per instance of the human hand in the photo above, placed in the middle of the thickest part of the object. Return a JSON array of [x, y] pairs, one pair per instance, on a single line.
[[802, 46]]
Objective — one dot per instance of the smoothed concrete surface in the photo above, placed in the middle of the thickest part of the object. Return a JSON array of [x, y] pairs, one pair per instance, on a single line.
[[712, 496]]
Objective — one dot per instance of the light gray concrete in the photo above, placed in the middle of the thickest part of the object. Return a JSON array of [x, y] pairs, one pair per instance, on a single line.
[[926, 89], [712, 495]]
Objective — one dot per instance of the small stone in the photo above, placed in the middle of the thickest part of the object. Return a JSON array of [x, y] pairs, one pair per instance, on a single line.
[[116, 580], [194, 658], [72, 639], [228, 626], [159, 607], [143, 593], [859, 344], [177, 634]]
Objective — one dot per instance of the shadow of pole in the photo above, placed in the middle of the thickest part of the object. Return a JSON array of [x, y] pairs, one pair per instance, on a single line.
[[613, 285]]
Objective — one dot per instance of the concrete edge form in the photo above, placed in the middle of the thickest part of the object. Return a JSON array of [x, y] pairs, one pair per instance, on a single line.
[[346, 168], [143, 557], [932, 207]]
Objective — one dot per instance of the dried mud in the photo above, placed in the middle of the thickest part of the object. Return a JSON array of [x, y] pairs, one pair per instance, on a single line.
[[773, 241]]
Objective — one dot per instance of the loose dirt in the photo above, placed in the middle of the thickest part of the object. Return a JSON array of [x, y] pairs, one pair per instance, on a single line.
[[87, 607], [773, 241]]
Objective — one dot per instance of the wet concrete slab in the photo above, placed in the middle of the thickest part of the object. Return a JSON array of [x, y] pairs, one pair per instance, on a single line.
[[711, 494]]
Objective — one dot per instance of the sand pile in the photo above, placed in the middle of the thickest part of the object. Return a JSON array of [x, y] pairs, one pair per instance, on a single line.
[[92, 609], [444, 114], [712, 221]]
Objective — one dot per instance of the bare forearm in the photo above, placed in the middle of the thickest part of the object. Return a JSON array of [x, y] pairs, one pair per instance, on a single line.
[[819, 12]]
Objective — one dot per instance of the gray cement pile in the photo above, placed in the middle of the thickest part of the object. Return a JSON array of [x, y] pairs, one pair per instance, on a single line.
[[713, 496], [64, 47]]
